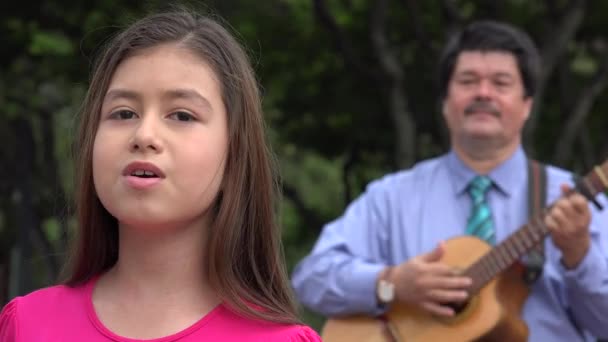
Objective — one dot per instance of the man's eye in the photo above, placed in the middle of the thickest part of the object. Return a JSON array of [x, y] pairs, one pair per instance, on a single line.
[[182, 116], [466, 81], [122, 115]]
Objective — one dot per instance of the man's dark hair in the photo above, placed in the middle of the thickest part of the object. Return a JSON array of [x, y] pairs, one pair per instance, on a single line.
[[488, 36]]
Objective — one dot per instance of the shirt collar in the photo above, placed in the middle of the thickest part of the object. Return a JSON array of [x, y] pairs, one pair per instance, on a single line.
[[505, 176]]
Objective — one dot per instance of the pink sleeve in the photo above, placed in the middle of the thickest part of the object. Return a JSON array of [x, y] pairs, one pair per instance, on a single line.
[[305, 334], [8, 322]]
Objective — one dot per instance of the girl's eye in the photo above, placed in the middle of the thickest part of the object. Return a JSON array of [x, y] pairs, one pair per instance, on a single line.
[[122, 115], [182, 116]]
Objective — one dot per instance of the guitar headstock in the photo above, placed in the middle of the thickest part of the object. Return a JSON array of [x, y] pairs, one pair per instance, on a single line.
[[594, 183]]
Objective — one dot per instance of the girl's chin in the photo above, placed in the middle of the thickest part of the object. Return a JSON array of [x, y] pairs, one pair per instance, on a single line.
[[157, 223], [148, 223]]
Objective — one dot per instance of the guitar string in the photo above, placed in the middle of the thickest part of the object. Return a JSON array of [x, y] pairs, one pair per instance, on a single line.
[[505, 253]]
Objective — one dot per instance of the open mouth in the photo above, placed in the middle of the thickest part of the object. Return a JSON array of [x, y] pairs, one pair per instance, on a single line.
[[143, 179], [144, 174]]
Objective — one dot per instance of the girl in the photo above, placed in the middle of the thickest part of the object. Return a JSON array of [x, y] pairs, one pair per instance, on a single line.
[[177, 235]]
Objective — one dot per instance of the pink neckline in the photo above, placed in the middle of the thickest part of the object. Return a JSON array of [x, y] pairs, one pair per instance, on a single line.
[[108, 333]]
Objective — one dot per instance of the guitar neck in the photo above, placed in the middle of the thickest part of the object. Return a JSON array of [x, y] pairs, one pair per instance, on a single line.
[[522, 241]]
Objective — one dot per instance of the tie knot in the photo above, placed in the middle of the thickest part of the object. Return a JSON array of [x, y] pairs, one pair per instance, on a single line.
[[480, 185]]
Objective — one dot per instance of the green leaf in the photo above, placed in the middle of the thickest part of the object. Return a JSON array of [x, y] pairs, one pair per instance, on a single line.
[[50, 43]]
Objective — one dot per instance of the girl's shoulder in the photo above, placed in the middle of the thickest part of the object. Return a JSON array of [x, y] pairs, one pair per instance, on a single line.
[[8, 321], [40, 311], [305, 333], [296, 333], [230, 326], [42, 300]]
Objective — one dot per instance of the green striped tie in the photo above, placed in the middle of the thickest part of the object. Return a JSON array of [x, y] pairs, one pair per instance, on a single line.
[[480, 222]]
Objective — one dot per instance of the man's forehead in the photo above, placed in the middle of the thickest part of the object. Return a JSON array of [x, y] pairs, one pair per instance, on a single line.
[[486, 61]]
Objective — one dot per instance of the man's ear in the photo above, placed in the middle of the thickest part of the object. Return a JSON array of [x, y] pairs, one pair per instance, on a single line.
[[528, 105]]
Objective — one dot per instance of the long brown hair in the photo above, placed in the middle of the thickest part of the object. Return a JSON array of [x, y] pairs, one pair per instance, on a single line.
[[245, 260]]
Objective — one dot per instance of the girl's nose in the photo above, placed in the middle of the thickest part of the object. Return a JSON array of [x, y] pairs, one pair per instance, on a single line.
[[146, 135]]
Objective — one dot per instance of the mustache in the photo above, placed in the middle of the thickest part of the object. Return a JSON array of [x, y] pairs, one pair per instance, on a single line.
[[482, 106]]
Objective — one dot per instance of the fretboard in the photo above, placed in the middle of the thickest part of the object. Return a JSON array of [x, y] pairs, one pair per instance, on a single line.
[[522, 241]]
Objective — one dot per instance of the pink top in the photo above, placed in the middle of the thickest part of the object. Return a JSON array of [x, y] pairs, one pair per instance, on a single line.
[[62, 313]]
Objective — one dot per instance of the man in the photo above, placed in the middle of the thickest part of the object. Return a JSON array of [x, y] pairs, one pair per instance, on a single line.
[[391, 236]]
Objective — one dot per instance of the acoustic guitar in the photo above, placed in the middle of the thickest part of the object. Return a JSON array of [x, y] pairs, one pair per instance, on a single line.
[[497, 294]]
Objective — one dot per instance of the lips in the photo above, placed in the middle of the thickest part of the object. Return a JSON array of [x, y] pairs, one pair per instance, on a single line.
[[143, 170], [142, 175]]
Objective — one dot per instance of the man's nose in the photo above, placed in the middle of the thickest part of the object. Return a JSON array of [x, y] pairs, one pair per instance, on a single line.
[[484, 90]]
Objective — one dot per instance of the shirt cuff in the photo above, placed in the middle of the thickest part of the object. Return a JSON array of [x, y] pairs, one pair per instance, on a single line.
[[361, 287], [589, 273]]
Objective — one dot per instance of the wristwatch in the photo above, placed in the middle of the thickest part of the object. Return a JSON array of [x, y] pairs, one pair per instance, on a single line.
[[385, 290]]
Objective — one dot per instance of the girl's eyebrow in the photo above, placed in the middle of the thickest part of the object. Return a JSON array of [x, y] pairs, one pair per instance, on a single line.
[[114, 94], [187, 94]]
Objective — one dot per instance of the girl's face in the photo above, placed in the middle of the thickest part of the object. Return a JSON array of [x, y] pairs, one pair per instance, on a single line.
[[161, 145]]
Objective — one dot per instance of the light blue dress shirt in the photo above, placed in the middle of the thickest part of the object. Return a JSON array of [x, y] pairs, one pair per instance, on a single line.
[[407, 213]]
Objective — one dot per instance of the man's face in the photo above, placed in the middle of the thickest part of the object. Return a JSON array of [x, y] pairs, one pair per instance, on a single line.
[[485, 100]]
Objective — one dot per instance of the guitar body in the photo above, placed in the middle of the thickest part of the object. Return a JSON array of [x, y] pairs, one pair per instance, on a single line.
[[492, 315]]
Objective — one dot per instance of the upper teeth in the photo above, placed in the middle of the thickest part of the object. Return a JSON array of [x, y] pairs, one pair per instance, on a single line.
[[142, 173]]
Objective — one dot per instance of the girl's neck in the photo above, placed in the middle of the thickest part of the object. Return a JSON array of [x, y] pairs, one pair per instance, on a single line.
[[153, 263], [158, 285]]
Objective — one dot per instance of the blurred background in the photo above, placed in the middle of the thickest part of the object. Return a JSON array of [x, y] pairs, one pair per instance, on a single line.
[[349, 93]]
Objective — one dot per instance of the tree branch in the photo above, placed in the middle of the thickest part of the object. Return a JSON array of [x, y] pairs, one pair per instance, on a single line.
[[349, 163], [384, 54], [310, 218], [604, 151], [558, 33], [22, 203], [398, 106], [588, 156], [454, 19], [492, 8], [58, 202], [572, 126], [422, 36], [47, 251], [343, 44]]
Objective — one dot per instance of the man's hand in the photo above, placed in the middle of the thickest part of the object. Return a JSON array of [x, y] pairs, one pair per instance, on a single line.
[[568, 222], [426, 282]]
